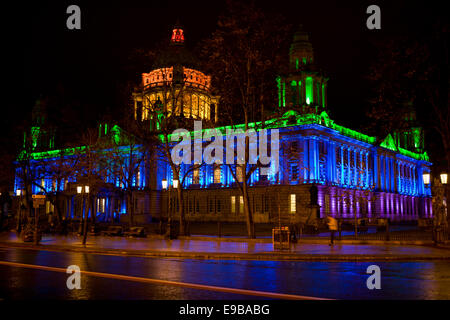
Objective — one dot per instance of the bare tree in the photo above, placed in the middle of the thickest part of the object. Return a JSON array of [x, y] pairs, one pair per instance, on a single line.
[[164, 115], [91, 168], [243, 55], [413, 73], [126, 156]]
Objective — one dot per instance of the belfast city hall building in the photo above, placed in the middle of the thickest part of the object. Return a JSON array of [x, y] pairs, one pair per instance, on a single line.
[[323, 169]]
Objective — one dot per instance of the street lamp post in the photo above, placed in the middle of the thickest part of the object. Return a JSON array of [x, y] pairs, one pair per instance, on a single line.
[[440, 224], [167, 187], [175, 186], [19, 193], [86, 215], [164, 187], [80, 227], [84, 190], [444, 182], [426, 182]]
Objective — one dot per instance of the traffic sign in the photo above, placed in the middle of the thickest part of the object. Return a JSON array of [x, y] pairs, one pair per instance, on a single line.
[[38, 200]]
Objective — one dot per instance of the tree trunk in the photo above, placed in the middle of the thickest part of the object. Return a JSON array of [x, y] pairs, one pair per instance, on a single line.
[[248, 212], [130, 208], [57, 208], [36, 226], [86, 216], [447, 194], [181, 209]]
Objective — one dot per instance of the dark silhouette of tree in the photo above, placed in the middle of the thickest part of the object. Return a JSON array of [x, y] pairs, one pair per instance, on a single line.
[[244, 55], [414, 73], [124, 154]]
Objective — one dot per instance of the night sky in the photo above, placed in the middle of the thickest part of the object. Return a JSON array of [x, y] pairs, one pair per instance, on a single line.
[[43, 56]]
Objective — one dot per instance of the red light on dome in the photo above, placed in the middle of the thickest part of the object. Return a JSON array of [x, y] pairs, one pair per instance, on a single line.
[[177, 35]]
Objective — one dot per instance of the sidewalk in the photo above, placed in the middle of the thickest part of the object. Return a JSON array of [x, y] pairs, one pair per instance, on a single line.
[[219, 248]]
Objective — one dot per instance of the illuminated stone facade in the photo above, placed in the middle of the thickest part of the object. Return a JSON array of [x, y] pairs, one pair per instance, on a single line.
[[352, 173], [304, 87]]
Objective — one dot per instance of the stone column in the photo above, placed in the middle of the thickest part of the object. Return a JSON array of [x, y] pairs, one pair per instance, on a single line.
[[391, 175], [306, 165], [342, 182], [316, 159], [355, 166], [313, 163], [381, 172], [376, 169], [388, 174], [367, 169], [349, 167], [216, 112], [411, 177], [312, 159], [331, 162]]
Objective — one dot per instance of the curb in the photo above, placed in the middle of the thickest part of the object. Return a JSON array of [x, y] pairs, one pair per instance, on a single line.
[[263, 256], [312, 241]]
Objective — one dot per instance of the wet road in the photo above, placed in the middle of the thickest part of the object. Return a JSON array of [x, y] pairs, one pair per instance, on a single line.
[[336, 280]]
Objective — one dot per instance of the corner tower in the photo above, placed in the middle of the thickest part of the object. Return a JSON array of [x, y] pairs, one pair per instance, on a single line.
[[304, 87]]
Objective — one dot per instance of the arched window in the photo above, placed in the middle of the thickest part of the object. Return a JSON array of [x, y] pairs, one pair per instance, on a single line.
[[294, 92]]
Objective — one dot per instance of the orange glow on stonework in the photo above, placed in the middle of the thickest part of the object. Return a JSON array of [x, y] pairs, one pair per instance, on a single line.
[[192, 78]]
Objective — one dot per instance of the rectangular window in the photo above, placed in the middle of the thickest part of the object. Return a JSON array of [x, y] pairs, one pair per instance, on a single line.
[[49, 207], [323, 95], [233, 204], [262, 177], [241, 204], [294, 171], [327, 204], [138, 178], [294, 147], [211, 204], [195, 106], [218, 206], [217, 173], [309, 90], [196, 176], [101, 205], [191, 204], [239, 174], [202, 108], [293, 203]]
